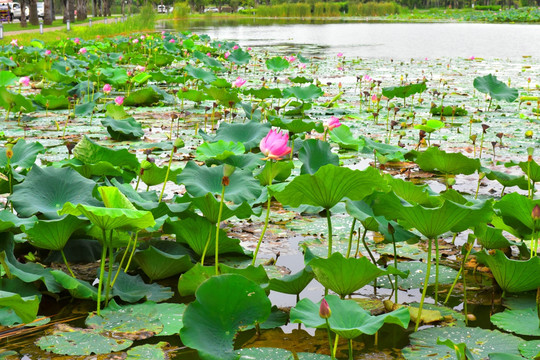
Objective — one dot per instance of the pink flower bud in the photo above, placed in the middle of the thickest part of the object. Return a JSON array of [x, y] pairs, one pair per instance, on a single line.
[[238, 82], [24, 81], [333, 123], [119, 100], [82, 51], [324, 310], [107, 88], [47, 52]]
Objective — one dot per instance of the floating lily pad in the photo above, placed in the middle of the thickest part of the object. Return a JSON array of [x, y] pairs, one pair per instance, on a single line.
[[133, 288], [519, 321], [417, 275], [79, 289], [148, 352], [530, 349], [265, 354]]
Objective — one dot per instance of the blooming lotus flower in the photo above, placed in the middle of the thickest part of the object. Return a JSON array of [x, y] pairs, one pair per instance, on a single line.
[[339, 54], [290, 59], [226, 55], [47, 52], [248, 49], [14, 42], [119, 100], [333, 123], [24, 81], [140, 68], [107, 88], [135, 41], [172, 41], [301, 66], [238, 82], [82, 51], [235, 47], [274, 145], [367, 78], [77, 41], [209, 54], [143, 37], [471, 58]]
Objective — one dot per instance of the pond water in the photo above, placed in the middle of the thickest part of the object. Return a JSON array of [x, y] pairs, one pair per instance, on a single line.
[[375, 40]]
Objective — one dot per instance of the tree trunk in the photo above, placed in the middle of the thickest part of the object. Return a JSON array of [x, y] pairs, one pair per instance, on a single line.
[[47, 12], [81, 10], [71, 11], [23, 13], [33, 14], [66, 11]]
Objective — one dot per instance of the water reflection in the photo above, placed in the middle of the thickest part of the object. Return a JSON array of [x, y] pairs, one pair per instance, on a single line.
[[374, 40]]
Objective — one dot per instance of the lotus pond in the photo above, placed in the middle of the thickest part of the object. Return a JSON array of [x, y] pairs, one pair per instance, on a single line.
[[175, 196]]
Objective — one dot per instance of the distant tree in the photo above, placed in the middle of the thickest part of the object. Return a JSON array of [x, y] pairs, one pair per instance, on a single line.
[[33, 14]]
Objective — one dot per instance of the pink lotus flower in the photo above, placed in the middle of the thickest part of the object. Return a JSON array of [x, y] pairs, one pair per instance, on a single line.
[[163, 37], [135, 41], [248, 49], [209, 54], [120, 58], [235, 47], [367, 78], [119, 100], [226, 55], [340, 68], [140, 68], [130, 73], [274, 145], [82, 51], [333, 123], [339, 54], [471, 58], [238, 82], [77, 41], [324, 310], [24, 81], [163, 32], [374, 98], [172, 41], [301, 66], [107, 88], [143, 37], [290, 59], [14, 42], [47, 52]]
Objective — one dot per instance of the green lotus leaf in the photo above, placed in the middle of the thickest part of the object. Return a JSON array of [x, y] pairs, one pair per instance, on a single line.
[[250, 134], [28, 272], [52, 234], [90, 152], [148, 351], [125, 129], [24, 155], [292, 284], [208, 61], [348, 319], [193, 95], [305, 93], [412, 193], [201, 180], [116, 76], [52, 102], [141, 78], [519, 321], [15, 102], [266, 353], [46, 190], [224, 304], [277, 64], [219, 150], [491, 238], [479, 341], [297, 126], [496, 89], [434, 159], [530, 349], [346, 275], [312, 356], [8, 220], [81, 342], [531, 168], [77, 288], [314, 154], [405, 91], [329, 185], [417, 276], [239, 57], [344, 137], [7, 78], [430, 126], [21, 299], [155, 175], [449, 111], [275, 171], [189, 282], [511, 275], [515, 210], [209, 206], [85, 109], [101, 169], [224, 96], [116, 112], [163, 259], [142, 97], [200, 74], [391, 152], [506, 180], [133, 288], [265, 93]]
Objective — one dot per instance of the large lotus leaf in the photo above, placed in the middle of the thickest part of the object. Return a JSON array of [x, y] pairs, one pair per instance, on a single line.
[[79, 289], [219, 150], [196, 231], [189, 282], [344, 137], [201, 180], [209, 206], [9, 220], [124, 129], [163, 259], [312, 356], [90, 152], [531, 168], [434, 159], [15, 102], [491, 238], [292, 284], [24, 155], [417, 275], [100, 169], [519, 321], [133, 288], [113, 198], [116, 112], [498, 90], [116, 76], [266, 353], [155, 175], [208, 61], [304, 93], [53, 234], [346, 275], [224, 304], [28, 272], [250, 134], [193, 95], [480, 211], [277, 64], [515, 210], [52, 102], [46, 190], [348, 319], [200, 74], [20, 298], [530, 349], [142, 97], [239, 57], [391, 152], [85, 109], [330, 185], [412, 193], [141, 78], [404, 91], [512, 275], [81, 342], [314, 154], [479, 341], [265, 93], [506, 180], [297, 126], [148, 351], [7, 78], [224, 96]]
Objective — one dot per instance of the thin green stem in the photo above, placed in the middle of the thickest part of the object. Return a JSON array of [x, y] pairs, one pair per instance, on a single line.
[[350, 350], [122, 261], [266, 219], [101, 271], [329, 339], [206, 247], [222, 200], [358, 241], [167, 174], [426, 280], [458, 274], [351, 233], [109, 274], [329, 221], [436, 271], [396, 266], [132, 253], [66, 262], [336, 339]]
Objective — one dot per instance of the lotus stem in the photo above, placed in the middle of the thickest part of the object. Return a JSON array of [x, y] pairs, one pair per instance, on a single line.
[[109, 274], [396, 266], [167, 174], [101, 272], [436, 271], [481, 146], [132, 253], [329, 339], [217, 227], [267, 217], [529, 192], [350, 350], [206, 247], [351, 233], [122, 261], [458, 274], [66, 262], [358, 242], [538, 305], [329, 221], [336, 339], [424, 291]]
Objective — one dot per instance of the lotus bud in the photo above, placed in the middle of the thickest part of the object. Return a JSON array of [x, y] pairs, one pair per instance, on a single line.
[[529, 134], [451, 182], [9, 151], [228, 170], [178, 143], [324, 310], [535, 214]]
